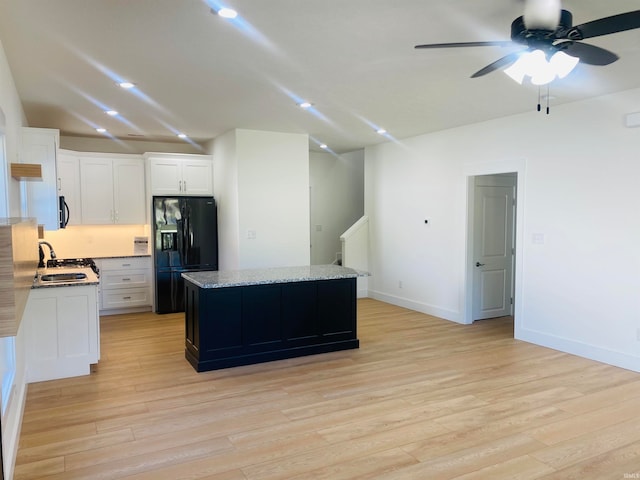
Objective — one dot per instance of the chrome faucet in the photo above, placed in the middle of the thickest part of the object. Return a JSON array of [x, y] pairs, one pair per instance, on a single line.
[[51, 252]]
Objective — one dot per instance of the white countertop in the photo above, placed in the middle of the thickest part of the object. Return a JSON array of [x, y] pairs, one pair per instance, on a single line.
[[265, 276]]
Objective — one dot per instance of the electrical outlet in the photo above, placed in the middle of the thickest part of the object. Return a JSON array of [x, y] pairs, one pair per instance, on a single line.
[[251, 234]]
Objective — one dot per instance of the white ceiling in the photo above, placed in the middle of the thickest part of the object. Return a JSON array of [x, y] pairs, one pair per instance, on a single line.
[[354, 59]]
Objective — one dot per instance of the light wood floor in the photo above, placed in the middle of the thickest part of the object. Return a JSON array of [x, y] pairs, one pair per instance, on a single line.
[[422, 398]]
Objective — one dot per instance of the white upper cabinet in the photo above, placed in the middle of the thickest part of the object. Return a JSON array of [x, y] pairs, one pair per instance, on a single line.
[[112, 189], [129, 192], [69, 184], [40, 145], [180, 174]]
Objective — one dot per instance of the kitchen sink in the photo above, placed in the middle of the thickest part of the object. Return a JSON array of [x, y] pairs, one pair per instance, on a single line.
[[62, 277]]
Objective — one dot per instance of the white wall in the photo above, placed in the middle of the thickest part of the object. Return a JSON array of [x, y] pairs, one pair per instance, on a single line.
[[337, 200], [108, 145], [14, 121], [11, 348], [225, 190], [578, 172], [79, 241], [261, 181], [273, 193]]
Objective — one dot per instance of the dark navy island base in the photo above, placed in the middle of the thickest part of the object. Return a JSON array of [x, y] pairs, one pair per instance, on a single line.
[[253, 316]]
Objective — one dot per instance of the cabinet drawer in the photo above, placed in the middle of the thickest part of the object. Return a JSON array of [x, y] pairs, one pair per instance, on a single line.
[[128, 263], [125, 297], [124, 279]]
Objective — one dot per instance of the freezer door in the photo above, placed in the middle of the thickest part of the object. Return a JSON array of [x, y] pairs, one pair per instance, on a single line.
[[200, 224], [169, 291]]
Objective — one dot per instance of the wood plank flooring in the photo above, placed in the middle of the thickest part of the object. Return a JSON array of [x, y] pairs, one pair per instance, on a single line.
[[422, 398]]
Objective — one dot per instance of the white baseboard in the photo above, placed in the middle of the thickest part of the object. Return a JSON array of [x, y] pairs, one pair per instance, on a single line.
[[599, 354], [451, 315], [12, 424]]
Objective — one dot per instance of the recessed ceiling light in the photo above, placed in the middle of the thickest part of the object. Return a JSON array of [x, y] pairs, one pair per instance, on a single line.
[[126, 85], [182, 135], [111, 113], [227, 13], [305, 104], [381, 131], [101, 130], [323, 146]]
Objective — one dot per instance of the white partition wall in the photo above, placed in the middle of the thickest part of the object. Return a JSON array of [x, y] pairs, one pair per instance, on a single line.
[[261, 183]]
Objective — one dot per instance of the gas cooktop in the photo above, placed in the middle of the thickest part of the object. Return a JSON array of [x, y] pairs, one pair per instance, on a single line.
[[73, 262]]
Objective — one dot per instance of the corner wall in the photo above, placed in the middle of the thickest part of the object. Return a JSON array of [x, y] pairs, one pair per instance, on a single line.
[[577, 291]]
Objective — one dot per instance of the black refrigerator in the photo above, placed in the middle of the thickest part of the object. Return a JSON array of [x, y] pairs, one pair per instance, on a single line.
[[185, 239]]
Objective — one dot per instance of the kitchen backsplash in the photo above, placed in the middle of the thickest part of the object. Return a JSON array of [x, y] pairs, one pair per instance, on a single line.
[[95, 240]]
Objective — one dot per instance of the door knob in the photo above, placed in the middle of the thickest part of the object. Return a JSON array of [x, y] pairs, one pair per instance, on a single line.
[[478, 264]]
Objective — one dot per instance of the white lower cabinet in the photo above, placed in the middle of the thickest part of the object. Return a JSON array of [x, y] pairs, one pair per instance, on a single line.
[[125, 284], [63, 338]]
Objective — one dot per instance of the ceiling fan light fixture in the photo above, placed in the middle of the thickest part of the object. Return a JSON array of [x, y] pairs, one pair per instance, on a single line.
[[540, 70], [563, 64]]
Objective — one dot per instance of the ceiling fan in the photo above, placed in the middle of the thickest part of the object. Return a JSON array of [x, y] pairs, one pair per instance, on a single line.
[[553, 45]]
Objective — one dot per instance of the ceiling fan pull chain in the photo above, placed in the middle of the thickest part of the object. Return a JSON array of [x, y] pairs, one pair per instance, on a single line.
[[539, 107]]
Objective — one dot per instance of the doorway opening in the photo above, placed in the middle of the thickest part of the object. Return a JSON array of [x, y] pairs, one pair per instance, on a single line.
[[491, 246]]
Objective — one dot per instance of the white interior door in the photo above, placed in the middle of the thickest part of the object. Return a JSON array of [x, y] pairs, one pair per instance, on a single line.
[[493, 246]]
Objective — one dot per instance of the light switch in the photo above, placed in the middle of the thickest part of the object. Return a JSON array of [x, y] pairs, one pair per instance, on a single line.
[[251, 234], [538, 238]]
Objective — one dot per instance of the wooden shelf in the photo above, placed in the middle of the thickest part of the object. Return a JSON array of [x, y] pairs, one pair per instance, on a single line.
[[22, 171]]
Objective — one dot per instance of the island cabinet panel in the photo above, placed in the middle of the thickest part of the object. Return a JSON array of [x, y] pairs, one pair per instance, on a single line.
[[241, 325], [222, 326], [336, 308], [300, 312]]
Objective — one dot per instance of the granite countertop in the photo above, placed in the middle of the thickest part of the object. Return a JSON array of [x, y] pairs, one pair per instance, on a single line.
[[265, 276], [92, 278], [142, 255]]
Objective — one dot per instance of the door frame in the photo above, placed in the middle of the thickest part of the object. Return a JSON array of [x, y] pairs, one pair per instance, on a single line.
[[470, 171]]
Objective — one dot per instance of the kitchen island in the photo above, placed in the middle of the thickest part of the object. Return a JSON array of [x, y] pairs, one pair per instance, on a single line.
[[243, 317]]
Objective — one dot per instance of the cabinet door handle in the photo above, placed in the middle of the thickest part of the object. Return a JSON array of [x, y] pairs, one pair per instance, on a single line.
[[126, 298], [126, 279], [185, 185], [126, 264], [180, 185]]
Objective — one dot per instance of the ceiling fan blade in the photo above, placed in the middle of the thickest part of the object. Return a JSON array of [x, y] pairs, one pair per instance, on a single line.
[[498, 64], [542, 14], [499, 43], [590, 54], [606, 26]]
